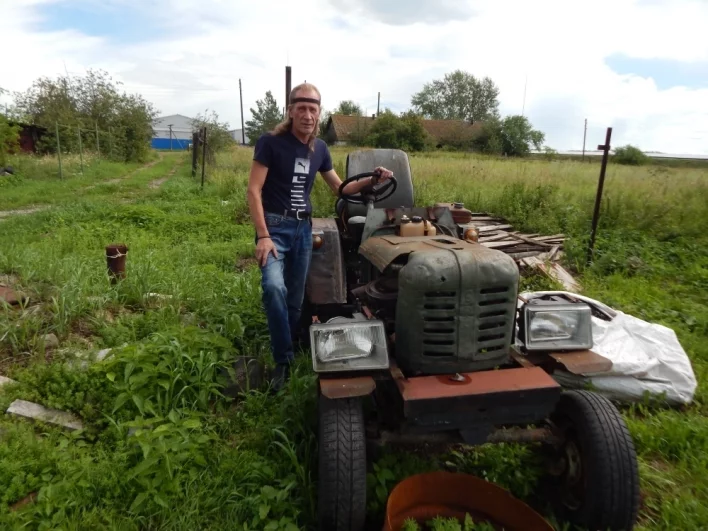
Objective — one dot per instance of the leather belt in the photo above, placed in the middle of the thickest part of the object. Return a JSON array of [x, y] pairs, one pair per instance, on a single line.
[[294, 214]]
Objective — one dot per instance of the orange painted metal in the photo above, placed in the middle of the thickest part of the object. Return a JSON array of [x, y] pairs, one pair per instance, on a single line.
[[473, 383], [582, 361], [447, 494], [347, 387]]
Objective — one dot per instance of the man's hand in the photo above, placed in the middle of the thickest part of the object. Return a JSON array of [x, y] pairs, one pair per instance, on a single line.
[[263, 247], [382, 174]]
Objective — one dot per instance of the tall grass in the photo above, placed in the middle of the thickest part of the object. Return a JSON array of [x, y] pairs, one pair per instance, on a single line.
[[163, 449]]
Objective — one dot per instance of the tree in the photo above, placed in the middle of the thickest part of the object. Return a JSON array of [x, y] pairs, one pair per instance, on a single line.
[[458, 96], [264, 118], [324, 116], [348, 108], [91, 102], [9, 139], [512, 136], [218, 136]]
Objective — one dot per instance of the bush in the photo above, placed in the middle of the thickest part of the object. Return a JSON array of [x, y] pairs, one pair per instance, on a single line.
[[398, 132], [630, 155]]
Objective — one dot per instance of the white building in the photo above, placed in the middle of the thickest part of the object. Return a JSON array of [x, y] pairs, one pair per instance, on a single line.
[[172, 132]]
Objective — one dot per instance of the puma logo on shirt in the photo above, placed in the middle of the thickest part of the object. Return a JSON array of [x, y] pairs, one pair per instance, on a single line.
[[302, 166]]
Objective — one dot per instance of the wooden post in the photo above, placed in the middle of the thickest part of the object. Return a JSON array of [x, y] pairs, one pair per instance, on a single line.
[[204, 138], [243, 130], [195, 153], [98, 145], [81, 152], [598, 198], [61, 175]]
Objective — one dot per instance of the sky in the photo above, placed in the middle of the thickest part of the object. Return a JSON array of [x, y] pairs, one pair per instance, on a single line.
[[638, 66]]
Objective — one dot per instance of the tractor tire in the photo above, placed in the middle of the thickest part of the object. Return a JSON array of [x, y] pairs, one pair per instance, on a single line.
[[594, 480], [342, 465]]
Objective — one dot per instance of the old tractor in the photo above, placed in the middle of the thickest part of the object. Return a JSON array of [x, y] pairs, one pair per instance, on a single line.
[[417, 333]]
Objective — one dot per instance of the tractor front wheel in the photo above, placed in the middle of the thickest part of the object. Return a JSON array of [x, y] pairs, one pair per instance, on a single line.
[[594, 476], [342, 465]]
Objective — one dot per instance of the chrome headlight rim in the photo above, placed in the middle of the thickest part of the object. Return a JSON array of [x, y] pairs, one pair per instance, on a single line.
[[376, 359]]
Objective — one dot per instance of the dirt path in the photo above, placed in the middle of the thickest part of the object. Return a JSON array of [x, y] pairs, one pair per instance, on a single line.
[[4, 214], [159, 182], [129, 175], [21, 211]]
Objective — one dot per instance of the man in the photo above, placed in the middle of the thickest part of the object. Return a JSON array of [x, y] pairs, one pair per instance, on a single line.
[[283, 171]]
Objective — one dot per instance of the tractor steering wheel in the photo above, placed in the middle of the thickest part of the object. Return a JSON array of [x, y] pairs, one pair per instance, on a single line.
[[369, 193]]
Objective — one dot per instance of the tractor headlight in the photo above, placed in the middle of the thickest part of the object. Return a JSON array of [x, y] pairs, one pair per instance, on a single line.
[[348, 345], [548, 325]]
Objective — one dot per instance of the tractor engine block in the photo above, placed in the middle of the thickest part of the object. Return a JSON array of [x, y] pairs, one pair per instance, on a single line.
[[454, 303]]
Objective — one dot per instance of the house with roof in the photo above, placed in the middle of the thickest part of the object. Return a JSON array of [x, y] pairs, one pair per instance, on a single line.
[[344, 129]]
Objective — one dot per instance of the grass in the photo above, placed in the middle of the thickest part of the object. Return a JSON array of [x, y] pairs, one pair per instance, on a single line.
[[162, 449]]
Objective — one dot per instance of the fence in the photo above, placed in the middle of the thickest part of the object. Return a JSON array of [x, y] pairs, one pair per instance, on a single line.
[[75, 146]]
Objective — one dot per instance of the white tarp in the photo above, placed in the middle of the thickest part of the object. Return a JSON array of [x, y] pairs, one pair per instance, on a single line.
[[646, 357]]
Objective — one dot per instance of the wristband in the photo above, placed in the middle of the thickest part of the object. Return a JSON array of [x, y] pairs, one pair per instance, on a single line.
[[262, 237]]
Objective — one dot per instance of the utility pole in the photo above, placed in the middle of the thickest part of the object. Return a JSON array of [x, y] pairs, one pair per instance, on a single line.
[[288, 86], [585, 132], [243, 130], [378, 105], [170, 126]]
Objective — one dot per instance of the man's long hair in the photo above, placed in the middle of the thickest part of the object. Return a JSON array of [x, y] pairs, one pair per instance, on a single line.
[[287, 124]]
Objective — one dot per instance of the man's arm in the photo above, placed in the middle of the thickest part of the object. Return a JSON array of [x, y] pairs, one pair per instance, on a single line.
[[256, 179], [264, 245], [334, 182]]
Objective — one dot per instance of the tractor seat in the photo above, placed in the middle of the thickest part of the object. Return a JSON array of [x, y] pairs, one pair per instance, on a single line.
[[366, 160]]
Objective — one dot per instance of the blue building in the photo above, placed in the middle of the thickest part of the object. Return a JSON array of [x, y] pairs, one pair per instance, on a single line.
[[172, 132]]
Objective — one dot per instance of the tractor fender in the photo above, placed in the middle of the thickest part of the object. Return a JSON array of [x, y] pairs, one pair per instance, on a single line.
[[334, 388]]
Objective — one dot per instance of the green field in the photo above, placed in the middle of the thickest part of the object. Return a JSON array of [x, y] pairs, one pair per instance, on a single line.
[[195, 460]]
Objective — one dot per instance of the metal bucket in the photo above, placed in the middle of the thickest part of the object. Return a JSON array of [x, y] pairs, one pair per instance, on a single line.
[[115, 258], [448, 494]]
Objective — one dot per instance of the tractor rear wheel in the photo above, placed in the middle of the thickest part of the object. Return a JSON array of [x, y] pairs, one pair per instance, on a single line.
[[342, 465], [594, 476]]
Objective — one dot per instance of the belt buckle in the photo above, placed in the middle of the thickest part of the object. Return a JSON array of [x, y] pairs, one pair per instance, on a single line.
[[297, 214]]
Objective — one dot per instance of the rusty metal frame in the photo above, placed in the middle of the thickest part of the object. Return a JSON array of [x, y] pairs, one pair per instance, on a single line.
[[347, 387], [475, 401], [580, 362]]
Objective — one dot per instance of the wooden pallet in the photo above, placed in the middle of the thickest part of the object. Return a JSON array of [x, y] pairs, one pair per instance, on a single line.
[[530, 251]]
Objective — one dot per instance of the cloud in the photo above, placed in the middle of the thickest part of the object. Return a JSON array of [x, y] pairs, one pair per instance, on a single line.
[[353, 50], [403, 12]]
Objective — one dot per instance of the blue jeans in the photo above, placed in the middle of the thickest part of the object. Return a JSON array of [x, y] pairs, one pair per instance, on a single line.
[[283, 280]]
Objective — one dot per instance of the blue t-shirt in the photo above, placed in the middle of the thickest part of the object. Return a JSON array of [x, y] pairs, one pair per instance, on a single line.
[[291, 171]]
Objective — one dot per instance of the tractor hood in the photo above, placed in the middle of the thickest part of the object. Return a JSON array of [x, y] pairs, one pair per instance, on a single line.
[[381, 251]]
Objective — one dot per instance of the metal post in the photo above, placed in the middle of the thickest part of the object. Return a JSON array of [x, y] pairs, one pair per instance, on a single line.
[[288, 85], [98, 145], [378, 104], [170, 126], [204, 139], [61, 175], [584, 135], [598, 198], [81, 152], [243, 129], [195, 153]]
